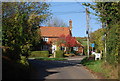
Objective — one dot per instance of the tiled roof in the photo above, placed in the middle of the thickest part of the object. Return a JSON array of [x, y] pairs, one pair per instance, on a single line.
[[54, 31]]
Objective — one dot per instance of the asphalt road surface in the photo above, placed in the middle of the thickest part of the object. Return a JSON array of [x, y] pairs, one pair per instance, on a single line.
[[70, 69]]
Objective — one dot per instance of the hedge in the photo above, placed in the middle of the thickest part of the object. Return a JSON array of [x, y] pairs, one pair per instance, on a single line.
[[39, 54], [59, 54]]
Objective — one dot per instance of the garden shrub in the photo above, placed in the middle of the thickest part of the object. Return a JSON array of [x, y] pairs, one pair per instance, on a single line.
[[39, 54], [59, 54]]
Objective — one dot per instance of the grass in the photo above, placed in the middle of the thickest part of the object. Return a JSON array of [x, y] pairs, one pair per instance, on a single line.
[[100, 67], [50, 59], [39, 54]]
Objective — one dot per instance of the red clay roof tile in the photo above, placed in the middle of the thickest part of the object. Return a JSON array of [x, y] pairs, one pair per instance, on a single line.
[[54, 31]]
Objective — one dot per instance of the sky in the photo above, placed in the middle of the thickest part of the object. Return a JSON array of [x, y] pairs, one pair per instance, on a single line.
[[76, 12]]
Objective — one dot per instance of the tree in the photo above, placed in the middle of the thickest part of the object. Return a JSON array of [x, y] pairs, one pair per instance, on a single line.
[[56, 22], [83, 41], [68, 41], [107, 11], [97, 38], [109, 14], [20, 26]]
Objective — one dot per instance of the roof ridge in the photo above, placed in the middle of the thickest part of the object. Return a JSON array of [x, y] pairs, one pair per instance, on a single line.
[[53, 26], [54, 31]]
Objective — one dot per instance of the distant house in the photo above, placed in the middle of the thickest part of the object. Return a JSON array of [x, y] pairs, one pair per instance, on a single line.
[[50, 35]]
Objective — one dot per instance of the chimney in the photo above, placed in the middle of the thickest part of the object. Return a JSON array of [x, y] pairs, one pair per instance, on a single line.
[[70, 24]]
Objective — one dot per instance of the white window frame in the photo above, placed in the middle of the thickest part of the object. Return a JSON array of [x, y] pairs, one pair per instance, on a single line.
[[45, 39], [75, 48]]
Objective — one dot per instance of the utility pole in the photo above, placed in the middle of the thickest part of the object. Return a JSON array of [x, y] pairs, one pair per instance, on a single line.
[[104, 25], [105, 47], [105, 41], [87, 31]]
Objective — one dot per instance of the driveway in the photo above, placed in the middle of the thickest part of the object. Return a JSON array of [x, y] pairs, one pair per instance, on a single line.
[[70, 69]]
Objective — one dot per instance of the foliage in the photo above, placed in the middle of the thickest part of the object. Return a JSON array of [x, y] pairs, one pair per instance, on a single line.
[[96, 37], [87, 60], [62, 39], [39, 54], [50, 59], [107, 11], [23, 61], [59, 53], [83, 41], [109, 15], [112, 45], [56, 22], [20, 26], [68, 41], [99, 67]]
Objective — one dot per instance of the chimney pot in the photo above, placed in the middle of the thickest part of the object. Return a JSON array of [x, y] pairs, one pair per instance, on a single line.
[[70, 24]]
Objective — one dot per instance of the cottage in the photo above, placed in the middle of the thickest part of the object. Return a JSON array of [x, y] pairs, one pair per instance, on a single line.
[[51, 35]]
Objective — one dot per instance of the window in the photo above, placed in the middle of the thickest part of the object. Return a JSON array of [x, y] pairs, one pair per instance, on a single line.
[[62, 48], [75, 48], [45, 39], [44, 47]]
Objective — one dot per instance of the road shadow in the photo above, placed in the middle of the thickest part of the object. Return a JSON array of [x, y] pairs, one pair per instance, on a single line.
[[12, 70], [39, 68]]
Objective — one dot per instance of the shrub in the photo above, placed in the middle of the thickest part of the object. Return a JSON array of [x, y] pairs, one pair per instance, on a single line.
[[23, 61], [87, 60], [39, 54], [59, 54]]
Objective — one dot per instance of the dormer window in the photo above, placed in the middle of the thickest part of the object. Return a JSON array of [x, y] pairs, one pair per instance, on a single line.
[[45, 39]]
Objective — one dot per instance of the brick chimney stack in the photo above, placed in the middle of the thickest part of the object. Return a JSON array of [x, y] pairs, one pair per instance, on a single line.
[[70, 24]]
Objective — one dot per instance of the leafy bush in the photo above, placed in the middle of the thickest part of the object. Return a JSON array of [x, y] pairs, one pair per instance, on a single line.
[[39, 54], [112, 45], [87, 61], [23, 31], [100, 67], [59, 54], [23, 61]]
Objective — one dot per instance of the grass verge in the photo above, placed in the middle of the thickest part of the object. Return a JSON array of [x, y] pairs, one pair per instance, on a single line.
[[101, 69], [50, 59]]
